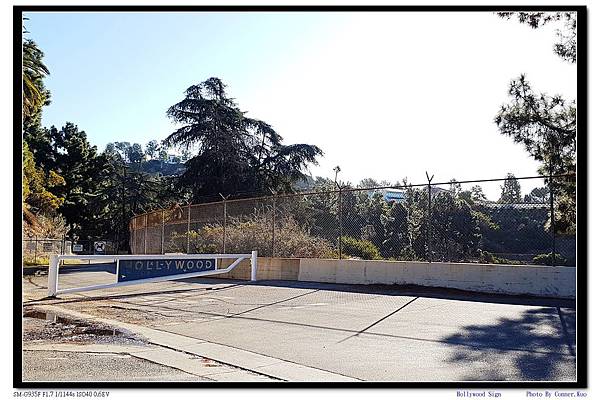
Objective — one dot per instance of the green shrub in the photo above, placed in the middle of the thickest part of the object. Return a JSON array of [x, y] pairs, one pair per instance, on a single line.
[[546, 259], [30, 260], [254, 233], [363, 249], [488, 258], [407, 254]]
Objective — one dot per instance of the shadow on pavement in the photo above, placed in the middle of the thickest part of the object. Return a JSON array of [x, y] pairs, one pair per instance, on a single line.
[[419, 291], [547, 333], [389, 290]]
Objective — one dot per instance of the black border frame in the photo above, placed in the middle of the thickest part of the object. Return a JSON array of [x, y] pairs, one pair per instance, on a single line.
[[582, 203]]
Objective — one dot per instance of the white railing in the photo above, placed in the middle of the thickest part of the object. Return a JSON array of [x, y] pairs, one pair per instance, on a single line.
[[55, 260]]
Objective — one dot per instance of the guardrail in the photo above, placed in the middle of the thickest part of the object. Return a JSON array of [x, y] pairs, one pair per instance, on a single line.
[[204, 265]]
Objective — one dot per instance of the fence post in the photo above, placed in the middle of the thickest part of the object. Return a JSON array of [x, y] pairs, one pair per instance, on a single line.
[[428, 215], [145, 231], [133, 248], [162, 233], [253, 265], [189, 221], [552, 227], [273, 224], [53, 276], [224, 222], [340, 222], [35, 251]]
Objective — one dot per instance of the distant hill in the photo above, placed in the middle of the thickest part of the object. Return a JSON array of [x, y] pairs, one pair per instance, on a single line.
[[166, 168], [301, 185], [163, 168]]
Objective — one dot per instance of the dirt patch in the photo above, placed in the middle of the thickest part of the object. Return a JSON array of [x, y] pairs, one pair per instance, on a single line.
[[132, 313], [39, 325]]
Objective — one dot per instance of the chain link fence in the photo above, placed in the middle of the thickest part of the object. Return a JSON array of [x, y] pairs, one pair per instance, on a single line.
[[37, 250], [425, 222]]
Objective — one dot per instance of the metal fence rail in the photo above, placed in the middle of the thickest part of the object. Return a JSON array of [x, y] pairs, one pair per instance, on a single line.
[[423, 222]]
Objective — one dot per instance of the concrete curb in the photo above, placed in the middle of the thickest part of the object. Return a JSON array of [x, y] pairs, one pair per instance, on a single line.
[[230, 356]]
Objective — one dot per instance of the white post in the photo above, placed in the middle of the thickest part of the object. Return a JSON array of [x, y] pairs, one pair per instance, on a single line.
[[117, 271], [254, 265], [53, 276]]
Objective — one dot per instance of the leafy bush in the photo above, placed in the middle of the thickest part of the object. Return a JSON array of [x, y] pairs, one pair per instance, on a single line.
[[254, 233], [408, 254], [363, 249], [488, 258], [40, 225], [30, 260], [546, 259]]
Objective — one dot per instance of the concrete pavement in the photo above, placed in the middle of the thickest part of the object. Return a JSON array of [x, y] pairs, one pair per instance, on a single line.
[[324, 332], [82, 366]]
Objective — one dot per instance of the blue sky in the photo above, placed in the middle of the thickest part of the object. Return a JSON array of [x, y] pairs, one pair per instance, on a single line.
[[115, 74], [385, 95]]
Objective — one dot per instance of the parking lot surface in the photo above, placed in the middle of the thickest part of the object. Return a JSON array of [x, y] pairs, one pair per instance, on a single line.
[[344, 332]]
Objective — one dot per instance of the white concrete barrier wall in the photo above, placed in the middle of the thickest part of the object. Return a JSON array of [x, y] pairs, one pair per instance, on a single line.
[[490, 278]]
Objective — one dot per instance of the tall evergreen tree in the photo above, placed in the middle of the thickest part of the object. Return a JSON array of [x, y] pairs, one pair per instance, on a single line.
[[547, 125], [152, 149], [68, 153], [236, 154], [127, 191], [566, 46], [510, 190]]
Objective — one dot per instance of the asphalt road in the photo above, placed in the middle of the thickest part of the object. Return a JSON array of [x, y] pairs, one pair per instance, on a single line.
[[367, 333]]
